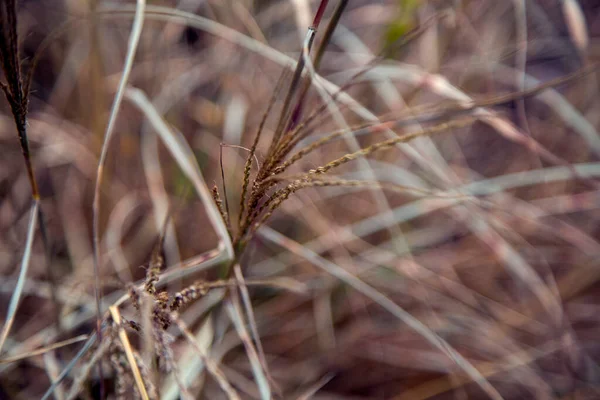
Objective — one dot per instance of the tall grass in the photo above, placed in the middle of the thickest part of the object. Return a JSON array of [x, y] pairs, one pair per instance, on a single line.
[[401, 203]]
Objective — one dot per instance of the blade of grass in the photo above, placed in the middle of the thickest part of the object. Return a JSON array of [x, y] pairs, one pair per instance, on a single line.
[[70, 366], [235, 314], [210, 364], [243, 287], [51, 367], [136, 31], [310, 392], [367, 290], [79, 381], [191, 366], [284, 117], [576, 24], [44, 349], [186, 160], [16, 295], [114, 311], [17, 93], [339, 10]]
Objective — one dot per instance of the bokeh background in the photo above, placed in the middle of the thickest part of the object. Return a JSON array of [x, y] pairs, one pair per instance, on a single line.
[[499, 257]]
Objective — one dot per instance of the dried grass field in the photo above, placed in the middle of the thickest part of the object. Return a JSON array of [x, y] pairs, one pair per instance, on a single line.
[[296, 199]]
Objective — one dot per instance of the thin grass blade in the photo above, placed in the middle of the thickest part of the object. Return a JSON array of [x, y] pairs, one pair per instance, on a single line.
[[235, 314], [186, 160], [16, 296], [114, 311], [134, 38]]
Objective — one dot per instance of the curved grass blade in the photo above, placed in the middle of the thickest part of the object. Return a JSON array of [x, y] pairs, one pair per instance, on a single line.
[[114, 311], [136, 31], [186, 160], [211, 366], [235, 314], [16, 296], [44, 350]]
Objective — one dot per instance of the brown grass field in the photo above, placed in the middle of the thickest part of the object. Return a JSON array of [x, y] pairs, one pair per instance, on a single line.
[[269, 199]]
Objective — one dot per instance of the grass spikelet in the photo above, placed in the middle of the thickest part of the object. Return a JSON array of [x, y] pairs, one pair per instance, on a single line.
[[221, 208], [273, 203], [269, 206], [305, 181], [134, 296], [189, 294], [15, 90], [303, 128], [157, 262], [321, 142], [388, 144], [248, 164]]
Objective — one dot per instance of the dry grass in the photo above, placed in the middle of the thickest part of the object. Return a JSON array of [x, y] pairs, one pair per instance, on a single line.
[[401, 202]]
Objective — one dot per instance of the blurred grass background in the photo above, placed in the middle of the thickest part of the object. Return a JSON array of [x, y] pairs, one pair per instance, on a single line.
[[499, 259]]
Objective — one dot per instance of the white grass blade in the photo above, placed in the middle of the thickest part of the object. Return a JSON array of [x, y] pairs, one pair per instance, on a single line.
[[16, 296], [134, 38], [51, 366], [189, 366], [310, 392], [575, 20], [114, 233], [186, 160], [212, 368], [302, 14], [235, 314], [247, 302]]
